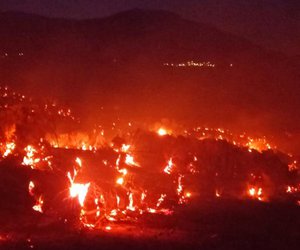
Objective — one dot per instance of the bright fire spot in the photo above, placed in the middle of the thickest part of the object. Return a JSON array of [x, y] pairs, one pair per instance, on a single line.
[[259, 144], [168, 168], [255, 193], [9, 148], [108, 228], [30, 188], [161, 199], [80, 191], [123, 171], [291, 189], [188, 195], [29, 159], [77, 189], [78, 161], [130, 161], [130, 205], [218, 194], [162, 132], [38, 206], [120, 181], [125, 148]]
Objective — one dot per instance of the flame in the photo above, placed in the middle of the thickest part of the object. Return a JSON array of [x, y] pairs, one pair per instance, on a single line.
[[9, 148], [130, 205], [169, 167], [39, 205], [162, 132], [78, 161], [160, 200], [29, 159], [120, 181], [124, 196], [129, 160], [78, 190], [218, 195], [125, 148], [31, 186], [256, 193]]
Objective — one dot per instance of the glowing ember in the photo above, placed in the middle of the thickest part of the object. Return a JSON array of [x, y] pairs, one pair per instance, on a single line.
[[29, 159], [9, 148], [30, 188], [218, 195], [38, 206], [130, 161], [125, 148], [130, 205], [169, 167], [161, 199], [255, 193], [78, 161]]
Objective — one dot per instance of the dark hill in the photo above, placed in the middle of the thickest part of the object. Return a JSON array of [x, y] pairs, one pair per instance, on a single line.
[[117, 63]]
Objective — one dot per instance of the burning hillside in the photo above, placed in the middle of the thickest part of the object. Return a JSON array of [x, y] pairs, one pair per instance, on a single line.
[[87, 180]]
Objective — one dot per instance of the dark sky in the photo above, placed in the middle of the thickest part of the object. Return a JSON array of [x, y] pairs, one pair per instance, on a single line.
[[273, 24], [82, 8], [96, 8]]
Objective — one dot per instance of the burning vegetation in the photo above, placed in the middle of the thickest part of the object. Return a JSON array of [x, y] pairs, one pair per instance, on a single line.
[[88, 180]]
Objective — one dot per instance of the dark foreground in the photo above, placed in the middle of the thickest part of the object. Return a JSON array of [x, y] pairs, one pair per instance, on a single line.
[[212, 225]]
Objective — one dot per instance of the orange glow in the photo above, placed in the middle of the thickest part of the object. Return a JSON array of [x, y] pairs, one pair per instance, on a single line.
[[256, 193], [129, 160], [78, 190], [120, 181], [218, 195], [125, 148], [162, 132], [188, 195]]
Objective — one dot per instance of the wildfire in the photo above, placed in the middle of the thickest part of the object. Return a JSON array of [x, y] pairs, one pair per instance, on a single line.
[[119, 188]]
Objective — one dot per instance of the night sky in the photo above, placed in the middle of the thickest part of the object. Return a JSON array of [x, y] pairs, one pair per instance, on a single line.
[[270, 23], [83, 8], [96, 8]]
